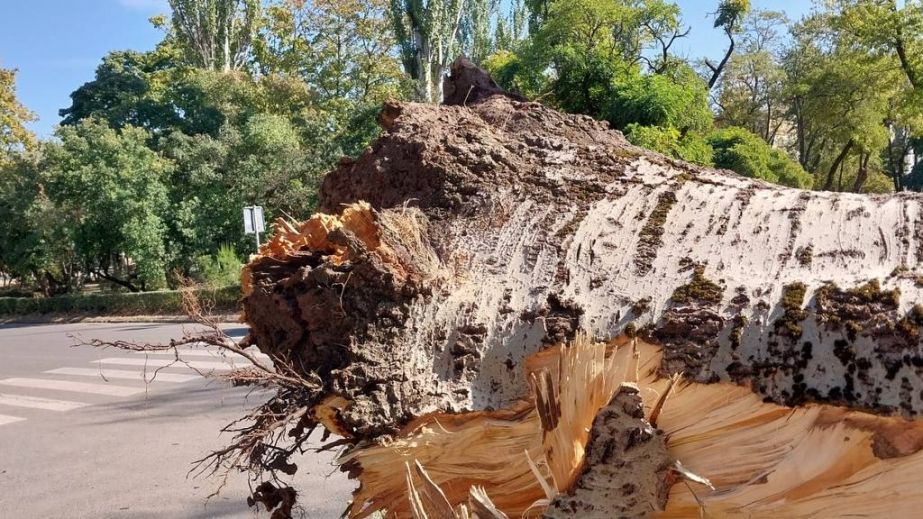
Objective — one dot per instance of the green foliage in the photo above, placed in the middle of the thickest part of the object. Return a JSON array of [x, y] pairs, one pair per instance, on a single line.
[[427, 38], [586, 58], [147, 303], [220, 270], [745, 153], [731, 13], [691, 147], [510, 29], [215, 34], [518, 72], [885, 28], [585, 80], [751, 92], [130, 88], [475, 29], [34, 235], [679, 101], [14, 136], [262, 163], [878, 183], [342, 48], [110, 189], [208, 100]]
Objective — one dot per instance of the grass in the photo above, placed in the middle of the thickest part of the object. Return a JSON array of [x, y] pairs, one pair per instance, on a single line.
[[164, 302]]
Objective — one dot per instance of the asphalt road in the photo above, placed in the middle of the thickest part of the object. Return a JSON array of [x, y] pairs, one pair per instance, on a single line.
[[73, 444]]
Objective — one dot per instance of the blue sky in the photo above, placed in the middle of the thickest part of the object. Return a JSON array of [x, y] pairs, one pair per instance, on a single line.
[[57, 44]]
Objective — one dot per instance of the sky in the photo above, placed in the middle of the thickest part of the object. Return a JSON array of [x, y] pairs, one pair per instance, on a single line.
[[57, 44]]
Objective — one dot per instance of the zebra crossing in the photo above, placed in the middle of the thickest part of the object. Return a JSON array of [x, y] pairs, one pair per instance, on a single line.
[[5, 419], [129, 374]]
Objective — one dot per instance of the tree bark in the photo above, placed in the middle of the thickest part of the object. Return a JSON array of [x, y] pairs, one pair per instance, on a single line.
[[862, 175], [118, 281], [717, 70], [831, 173], [469, 238]]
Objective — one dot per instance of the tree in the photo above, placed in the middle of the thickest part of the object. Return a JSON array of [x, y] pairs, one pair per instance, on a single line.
[[476, 32], [730, 16], [885, 28], [752, 323], [840, 98], [342, 50], [588, 52], [427, 36], [510, 29], [215, 34], [751, 90], [110, 188], [661, 27], [14, 136], [691, 146], [263, 159], [35, 244], [888, 32], [130, 88], [619, 31]]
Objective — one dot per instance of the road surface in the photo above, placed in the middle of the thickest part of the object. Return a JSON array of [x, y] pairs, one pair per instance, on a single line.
[[73, 444]]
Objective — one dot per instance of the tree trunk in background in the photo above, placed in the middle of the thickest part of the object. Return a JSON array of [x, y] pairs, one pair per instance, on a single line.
[[837, 162], [496, 229], [862, 175], [717, 70]]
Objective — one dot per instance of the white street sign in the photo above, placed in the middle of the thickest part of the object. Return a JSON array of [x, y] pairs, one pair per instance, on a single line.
[[253, 220], [254, 223]]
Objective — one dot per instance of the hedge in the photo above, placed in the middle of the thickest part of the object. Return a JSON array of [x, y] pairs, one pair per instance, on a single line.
[[141, 303]]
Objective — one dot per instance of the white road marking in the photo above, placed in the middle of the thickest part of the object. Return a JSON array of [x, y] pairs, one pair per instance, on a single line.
[[35, 402], [124, 374], [200, 352], [5, 419], [173, 363], [212, 354], [77, 387]]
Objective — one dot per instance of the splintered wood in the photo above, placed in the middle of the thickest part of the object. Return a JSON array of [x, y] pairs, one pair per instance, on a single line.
[[763, 460], [313, 235], [397, 239]]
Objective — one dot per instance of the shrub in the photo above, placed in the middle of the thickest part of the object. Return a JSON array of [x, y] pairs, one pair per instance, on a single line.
[[678, 100], [140, 303], [220, 270], [746, 153], [691, 147]]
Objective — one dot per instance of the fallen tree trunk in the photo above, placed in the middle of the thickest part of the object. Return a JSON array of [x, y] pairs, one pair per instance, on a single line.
[[473, 236]]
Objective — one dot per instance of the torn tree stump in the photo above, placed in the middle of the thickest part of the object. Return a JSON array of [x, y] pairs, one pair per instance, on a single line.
[[474, 238], [583, 446]]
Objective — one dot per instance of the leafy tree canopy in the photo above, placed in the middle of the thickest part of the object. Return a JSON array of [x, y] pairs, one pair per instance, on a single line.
[[111, 189], [14, 136]]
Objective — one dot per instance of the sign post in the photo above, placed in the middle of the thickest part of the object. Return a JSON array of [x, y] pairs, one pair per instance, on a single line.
[[253, 222]]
